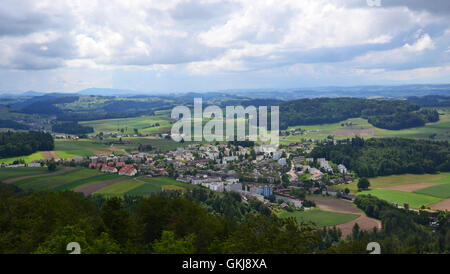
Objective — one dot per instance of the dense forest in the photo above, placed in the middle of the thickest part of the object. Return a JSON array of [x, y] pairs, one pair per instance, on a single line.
[[404, 231], [24, 143], [191, 223], [386, 156], [388, 114], [403, 120], [71, 128]]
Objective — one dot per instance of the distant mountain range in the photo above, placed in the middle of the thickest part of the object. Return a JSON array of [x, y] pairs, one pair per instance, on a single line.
[[280, 94]]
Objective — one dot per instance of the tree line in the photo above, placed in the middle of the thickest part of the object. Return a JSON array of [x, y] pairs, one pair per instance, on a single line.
[[171, 222], [71, 128], [388, 114], [387, 156], [24, 143]]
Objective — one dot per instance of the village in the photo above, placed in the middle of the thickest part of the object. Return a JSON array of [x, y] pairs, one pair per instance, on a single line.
[[268, 173]]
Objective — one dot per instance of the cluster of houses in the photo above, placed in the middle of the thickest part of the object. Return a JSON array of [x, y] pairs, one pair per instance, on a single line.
[[216, 167], [115, 167]]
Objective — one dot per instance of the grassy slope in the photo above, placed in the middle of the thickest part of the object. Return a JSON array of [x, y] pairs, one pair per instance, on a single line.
[[28, 158], [143, 186], [397, 180], [120, 188], [440, 191], [8, 173], [144, 190], [319, 217], [67, 180], [142, 123], [72, 148], [414, 200], [441, 128]]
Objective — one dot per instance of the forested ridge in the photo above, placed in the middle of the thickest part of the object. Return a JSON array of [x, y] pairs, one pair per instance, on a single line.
[[12, 124], [191, 223], [71, 128], [24, 143], [387, 114], [430, 101], [386, 156]]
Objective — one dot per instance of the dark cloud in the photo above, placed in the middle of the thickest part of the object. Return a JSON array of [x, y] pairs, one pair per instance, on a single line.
[[26, 61], [22, 26], [59, 48]]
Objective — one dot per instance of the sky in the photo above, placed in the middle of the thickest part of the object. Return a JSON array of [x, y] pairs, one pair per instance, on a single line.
[[205, 45]]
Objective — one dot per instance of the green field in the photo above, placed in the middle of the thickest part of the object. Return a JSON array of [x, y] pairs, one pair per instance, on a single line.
[[145, 124], [319, 217], [398, 180], [8, 173], [120, 188], [319, 132], [68, 180], [145, 190], [414, 200], [28, 159], [143, 186], [71, 148], [440, 191]]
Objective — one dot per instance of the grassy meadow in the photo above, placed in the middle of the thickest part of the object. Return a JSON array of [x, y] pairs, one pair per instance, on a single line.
[[399, 180], [28, 158], [145, 124], [414, 200], [9, 173], [64, 181], [143, 186], [362, 128]]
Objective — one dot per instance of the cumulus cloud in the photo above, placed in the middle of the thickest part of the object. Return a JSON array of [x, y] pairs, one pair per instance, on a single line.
[[207, 37]]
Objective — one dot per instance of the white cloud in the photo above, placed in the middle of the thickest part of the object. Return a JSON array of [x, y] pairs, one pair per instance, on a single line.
[[208, 37], [398, 55]]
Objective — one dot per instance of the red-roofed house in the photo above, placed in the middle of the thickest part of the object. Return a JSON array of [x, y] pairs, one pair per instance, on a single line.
[[128, 171], [109, 169], [317, 176], [120, 164]]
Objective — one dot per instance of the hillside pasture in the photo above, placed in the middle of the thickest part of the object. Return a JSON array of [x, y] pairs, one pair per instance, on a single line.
[[440, 191], [27, 158], [9, 173], [143, 186], [144, 124], [360, 127], [414, 200], [404, 180], [120, 188], [67, 180], [72, 148]]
